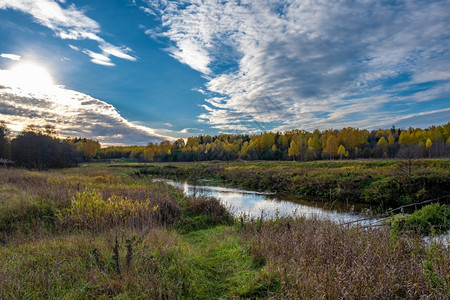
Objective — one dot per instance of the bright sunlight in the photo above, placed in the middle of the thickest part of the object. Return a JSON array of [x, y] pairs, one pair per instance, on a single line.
[[32, 77]]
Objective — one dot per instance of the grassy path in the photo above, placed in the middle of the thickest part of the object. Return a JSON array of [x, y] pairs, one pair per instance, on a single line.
[[221, 267]]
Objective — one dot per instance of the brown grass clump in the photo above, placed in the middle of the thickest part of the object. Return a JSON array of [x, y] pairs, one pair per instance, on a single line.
[[322, 260]]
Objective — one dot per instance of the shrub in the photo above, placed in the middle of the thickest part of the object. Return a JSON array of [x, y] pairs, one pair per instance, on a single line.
[[204, 212], [90, 211], [431, 219]]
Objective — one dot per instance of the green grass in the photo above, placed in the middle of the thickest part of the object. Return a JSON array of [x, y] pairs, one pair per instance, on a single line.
[[220, 266]]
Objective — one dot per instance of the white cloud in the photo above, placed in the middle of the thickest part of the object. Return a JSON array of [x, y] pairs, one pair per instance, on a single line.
[[309, 64], [74, 47], [68, 23], [120, 52], [72, 113], [11, 56], [99, 58], [199, 90], [421, 120], [147, 10]]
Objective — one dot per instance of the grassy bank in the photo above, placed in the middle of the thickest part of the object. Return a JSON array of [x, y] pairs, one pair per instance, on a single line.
[[105, 232], [387, 183]]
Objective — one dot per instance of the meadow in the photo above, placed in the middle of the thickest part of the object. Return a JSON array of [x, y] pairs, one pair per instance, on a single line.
[[109, 231]]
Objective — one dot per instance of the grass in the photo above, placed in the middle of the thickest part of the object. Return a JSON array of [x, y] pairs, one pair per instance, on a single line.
[[152, 241], [220, 266], [321, 260]]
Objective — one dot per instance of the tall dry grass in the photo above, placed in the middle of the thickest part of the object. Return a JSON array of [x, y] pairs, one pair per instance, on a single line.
[[36, 202], [323, 260], [96, 199], [83, 266]]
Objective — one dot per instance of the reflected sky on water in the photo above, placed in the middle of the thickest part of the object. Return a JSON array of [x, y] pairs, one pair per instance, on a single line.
[[254, 204]]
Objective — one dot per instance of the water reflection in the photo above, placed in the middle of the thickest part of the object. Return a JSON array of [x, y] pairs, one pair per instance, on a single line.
[[255, 203]]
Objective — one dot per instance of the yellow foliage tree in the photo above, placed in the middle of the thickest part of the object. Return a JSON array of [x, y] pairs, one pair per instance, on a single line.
[[342, 152], [331, 146], [294, 150]]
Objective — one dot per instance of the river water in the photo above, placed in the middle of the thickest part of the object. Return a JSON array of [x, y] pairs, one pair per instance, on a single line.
[[255, 204]]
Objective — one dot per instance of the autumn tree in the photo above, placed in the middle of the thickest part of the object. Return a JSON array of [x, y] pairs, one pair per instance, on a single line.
[[87, 147], [382, 142], [283, 143], [342, 152], [331, 146], [428, 145], [352, 139], [294, 150], [314, 145]]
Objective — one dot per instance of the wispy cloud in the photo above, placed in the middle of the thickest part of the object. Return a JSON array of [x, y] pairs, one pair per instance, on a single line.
[[68, 23], [99, 58], [72, 113], [11, 56], [310, 64]]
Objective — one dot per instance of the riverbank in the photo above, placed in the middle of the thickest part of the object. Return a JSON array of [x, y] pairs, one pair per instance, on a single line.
[[270, 205], [385, 183], [105, 232]]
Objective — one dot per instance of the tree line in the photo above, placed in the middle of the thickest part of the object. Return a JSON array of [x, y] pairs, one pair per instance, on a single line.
[[40, 148], [300, 145]]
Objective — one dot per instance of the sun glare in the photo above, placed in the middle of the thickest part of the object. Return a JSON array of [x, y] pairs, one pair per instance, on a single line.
[[32, 77]]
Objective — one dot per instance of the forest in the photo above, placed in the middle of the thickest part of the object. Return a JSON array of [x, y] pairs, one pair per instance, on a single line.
[[299, 145], [40, 147]]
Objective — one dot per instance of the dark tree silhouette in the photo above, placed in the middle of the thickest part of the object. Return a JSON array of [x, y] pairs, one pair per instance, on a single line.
[[34, 149], [4, 141]]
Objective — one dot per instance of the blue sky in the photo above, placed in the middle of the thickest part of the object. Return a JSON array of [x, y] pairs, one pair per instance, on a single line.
[[130, 72]]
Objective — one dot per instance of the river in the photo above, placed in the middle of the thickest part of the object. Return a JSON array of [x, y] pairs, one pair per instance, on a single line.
[[255, 204]]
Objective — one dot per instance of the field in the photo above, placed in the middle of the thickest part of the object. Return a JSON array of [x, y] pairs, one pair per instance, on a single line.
[[109, 231]]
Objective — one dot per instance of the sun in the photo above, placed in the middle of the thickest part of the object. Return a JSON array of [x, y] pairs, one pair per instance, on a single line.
[[32, 76]]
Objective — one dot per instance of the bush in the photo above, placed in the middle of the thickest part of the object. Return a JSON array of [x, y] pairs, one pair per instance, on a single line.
[[89, 210], [203, 213], [431, 219]]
